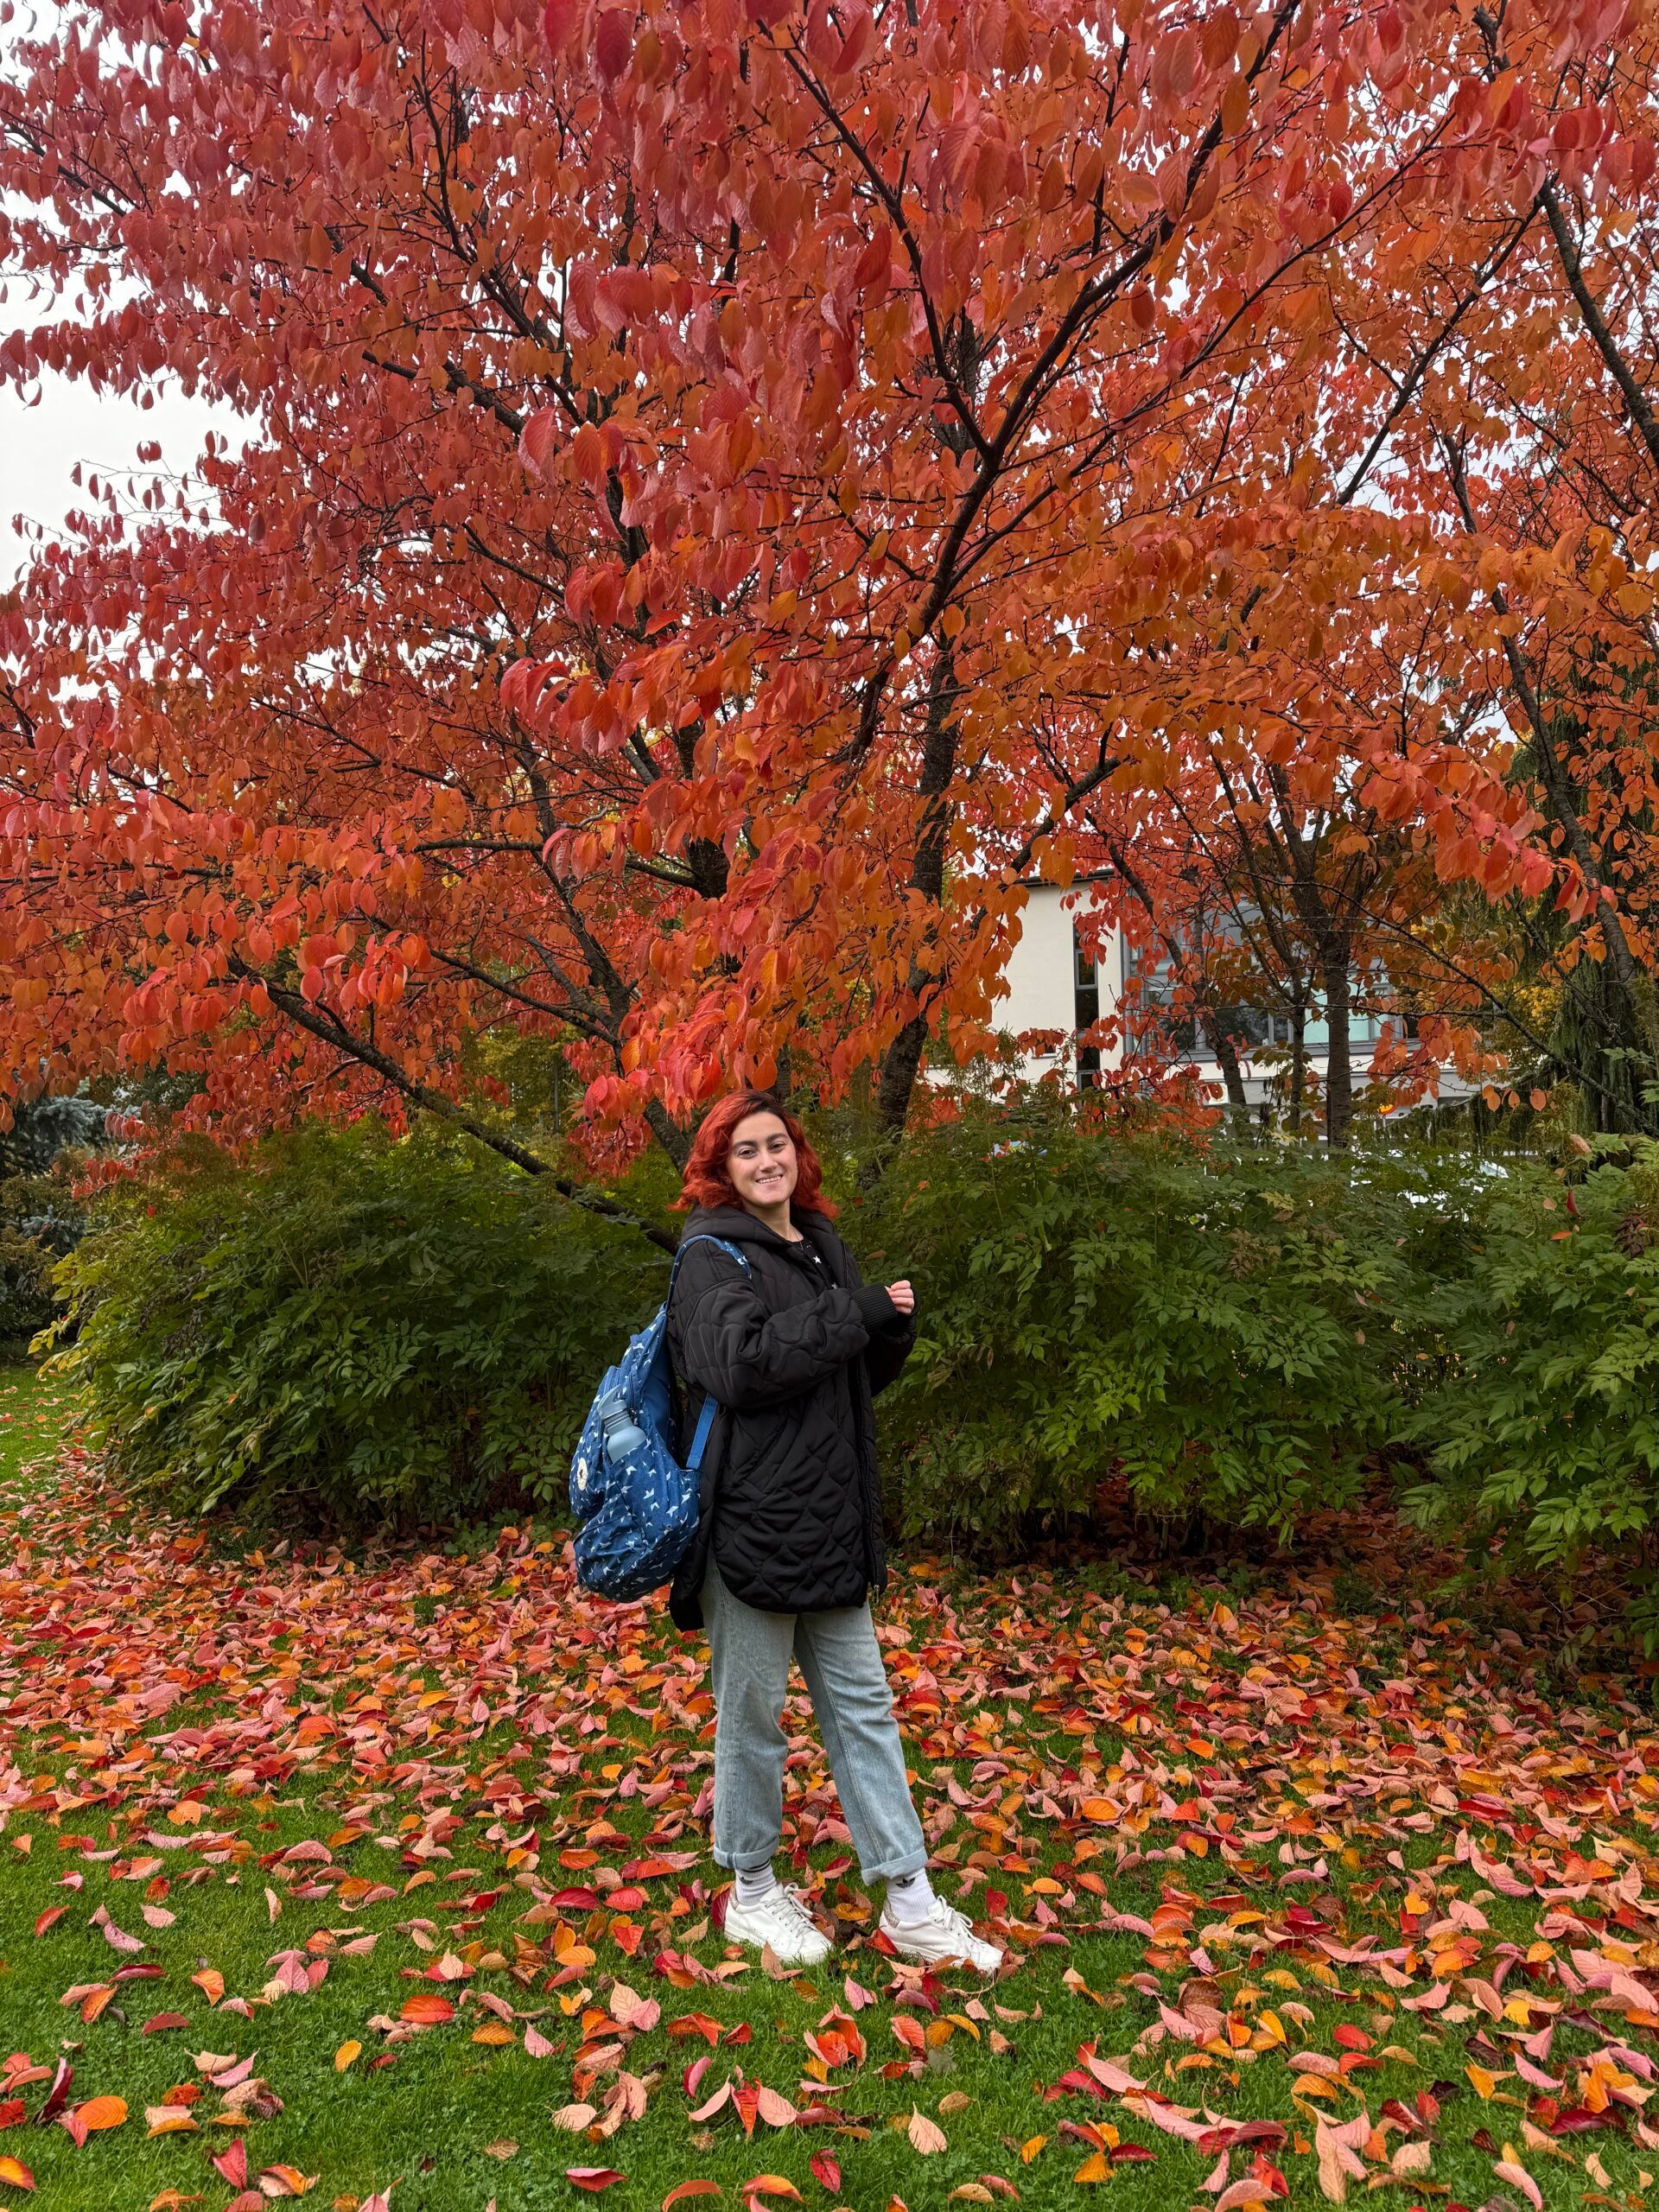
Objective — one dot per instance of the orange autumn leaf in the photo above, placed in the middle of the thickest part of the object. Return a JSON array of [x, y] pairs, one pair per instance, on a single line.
[[99, 2113]]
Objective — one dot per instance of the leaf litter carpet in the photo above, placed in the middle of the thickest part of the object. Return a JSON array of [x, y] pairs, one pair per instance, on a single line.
[[300, 1851]]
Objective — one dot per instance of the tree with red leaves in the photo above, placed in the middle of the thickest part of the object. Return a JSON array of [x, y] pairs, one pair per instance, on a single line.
[[728, 485]]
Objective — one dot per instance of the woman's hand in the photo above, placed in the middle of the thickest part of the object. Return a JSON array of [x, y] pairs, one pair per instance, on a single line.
[[903, 1297]]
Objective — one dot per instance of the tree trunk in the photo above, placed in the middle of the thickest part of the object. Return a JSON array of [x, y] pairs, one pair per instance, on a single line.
[[1298, 1063], [1339, 1067], [673, 1140], [1231, 1075], [901, 1064]]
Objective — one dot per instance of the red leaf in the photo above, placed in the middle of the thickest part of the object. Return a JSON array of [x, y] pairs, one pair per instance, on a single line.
[[681, 2190], [232, 2163], [827, 2170], [58, 2095], [427, 2010], [614, 43], [593, 2178], [558, 21]]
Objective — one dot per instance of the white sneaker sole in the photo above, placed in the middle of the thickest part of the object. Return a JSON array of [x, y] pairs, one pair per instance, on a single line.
[[924, 1955], [811, 1953]]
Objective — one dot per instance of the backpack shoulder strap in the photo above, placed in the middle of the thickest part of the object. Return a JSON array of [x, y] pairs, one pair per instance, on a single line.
[[732, 1251], [709, 1408]]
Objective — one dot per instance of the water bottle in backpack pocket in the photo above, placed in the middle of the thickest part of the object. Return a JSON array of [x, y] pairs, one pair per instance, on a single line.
[[636, 1506]]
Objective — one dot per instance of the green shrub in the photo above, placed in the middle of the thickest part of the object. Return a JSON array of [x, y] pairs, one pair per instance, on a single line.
[[386, 1331], [1544, 1430], [1232, 1331], [39, 1221], [26, 1301]]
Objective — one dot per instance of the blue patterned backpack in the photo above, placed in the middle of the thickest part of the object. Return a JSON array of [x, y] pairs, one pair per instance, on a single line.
[[636, 1506]]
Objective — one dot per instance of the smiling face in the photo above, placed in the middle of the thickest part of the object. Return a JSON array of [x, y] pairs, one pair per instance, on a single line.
[[761, 1162]]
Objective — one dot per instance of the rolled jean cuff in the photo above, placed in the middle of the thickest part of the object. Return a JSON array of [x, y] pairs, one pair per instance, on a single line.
[[895, 1870], [746, 1865]]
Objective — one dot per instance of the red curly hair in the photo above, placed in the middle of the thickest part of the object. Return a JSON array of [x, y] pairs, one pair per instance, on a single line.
[[706, 1183]]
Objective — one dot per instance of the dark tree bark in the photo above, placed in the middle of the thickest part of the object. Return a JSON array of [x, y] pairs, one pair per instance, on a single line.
[[1233, 1075], [1335, 952], [1298, 1063], [902, 1062]]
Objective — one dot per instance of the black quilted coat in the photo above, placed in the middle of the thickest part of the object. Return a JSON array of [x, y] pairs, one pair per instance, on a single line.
[[792, 1353]]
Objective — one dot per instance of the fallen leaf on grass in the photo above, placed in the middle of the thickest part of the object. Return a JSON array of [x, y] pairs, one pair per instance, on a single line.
[[427, 2010], [826, 2169], [58, 2095], [593, 2178], [1249, 2189], [232, 2165], [574, 2118], [771, 2185], [92, 2118], [15, 2173], [348, 2052], [926, 2135], [1518, 2178], [501, 2148], [170, 2119], [285, 2181], [536, 2044], [681, 2190]]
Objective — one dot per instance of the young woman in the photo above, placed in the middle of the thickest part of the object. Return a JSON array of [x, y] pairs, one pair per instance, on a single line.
[[792, 1349]]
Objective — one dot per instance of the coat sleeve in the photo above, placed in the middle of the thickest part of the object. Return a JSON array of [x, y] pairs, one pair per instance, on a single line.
[[746, 1357], [889, 1349], [892, 1338]]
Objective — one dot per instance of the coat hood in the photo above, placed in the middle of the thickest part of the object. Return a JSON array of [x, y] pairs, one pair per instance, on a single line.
[[738, 1226]]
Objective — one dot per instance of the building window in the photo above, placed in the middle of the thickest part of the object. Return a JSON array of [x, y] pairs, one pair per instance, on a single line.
[[1085, 995]]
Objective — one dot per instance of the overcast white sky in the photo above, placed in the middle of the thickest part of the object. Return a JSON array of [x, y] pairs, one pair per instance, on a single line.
[[39, 445]]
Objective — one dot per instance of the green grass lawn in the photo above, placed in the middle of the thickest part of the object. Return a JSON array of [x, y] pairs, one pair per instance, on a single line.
[[484, 1766]]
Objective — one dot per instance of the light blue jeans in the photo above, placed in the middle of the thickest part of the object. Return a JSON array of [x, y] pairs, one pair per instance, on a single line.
[[841, 1660]]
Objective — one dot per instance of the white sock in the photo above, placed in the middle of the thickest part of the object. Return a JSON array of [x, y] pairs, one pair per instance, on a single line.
[[909, 1896], [751, 1883]]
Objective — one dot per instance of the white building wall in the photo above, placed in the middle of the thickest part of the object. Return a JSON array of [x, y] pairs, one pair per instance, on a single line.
[[1039, 984]]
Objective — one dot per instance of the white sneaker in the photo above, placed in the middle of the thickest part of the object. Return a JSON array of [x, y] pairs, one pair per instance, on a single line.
[[945, 1935], [778, 1921]]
